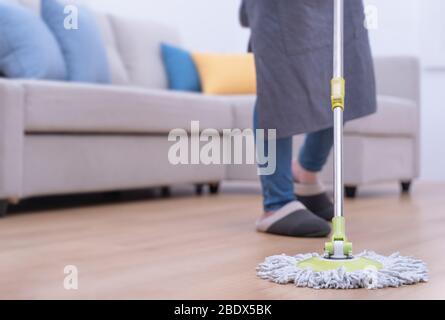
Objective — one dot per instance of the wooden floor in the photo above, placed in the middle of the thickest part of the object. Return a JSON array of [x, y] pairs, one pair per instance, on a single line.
[[188, 247]]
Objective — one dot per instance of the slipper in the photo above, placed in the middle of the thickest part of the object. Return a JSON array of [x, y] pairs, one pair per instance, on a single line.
[[294, 220], [315, 199]]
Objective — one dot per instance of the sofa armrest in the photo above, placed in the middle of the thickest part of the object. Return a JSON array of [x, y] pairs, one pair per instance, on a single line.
[[11, 138], [398, 76]]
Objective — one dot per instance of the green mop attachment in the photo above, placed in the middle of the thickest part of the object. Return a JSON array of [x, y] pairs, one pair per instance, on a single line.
[[338, 268]]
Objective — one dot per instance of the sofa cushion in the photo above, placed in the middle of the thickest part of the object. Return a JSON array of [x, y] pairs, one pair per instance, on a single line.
[[395, 116], [57, 107], [139, 45], [132, 58], [27, 47], [180, 68], [82, 47], [119, 74], [226, 73]]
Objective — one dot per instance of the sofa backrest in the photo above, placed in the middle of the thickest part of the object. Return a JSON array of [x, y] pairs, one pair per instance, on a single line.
[[133, 46]]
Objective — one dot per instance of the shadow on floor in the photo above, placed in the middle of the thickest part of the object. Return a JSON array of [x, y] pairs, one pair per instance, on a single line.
[[39, 204], [48, 203]]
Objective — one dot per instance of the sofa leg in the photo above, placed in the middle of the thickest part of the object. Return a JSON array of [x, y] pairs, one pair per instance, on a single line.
[[350, 192], [214, 188], [3, 208], [199, 189], [166, 192], [405, 186]]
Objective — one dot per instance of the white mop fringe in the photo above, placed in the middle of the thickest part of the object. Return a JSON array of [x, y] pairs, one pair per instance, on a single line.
[[397, 271]]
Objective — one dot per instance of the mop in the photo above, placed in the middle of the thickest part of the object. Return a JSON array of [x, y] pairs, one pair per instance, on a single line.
[[338, 268]]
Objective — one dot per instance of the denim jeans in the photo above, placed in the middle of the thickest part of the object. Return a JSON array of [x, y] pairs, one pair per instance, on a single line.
[[278, 188]]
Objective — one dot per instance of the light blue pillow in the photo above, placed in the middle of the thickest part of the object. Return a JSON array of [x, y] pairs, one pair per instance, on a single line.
[[27, 47], [181, 69], [83, 48]]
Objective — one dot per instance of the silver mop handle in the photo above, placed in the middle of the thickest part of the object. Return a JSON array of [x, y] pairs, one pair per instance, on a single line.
[[338, 112], [338, 38]]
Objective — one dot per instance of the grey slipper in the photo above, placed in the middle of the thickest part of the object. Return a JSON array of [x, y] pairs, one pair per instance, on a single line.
[[294, 220], [315, 199], [319, 204]]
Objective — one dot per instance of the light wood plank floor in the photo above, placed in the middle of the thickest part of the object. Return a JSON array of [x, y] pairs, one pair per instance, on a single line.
[[189, 247]]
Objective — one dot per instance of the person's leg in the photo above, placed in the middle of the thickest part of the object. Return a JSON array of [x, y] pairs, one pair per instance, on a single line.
[[284, 215], [315, 150], [313, 156], [277, 188]]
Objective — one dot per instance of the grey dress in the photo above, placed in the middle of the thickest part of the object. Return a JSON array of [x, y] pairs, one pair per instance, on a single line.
[[292, 43]]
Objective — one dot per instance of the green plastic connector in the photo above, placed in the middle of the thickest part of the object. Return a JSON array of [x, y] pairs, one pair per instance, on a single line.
[[339, 234]]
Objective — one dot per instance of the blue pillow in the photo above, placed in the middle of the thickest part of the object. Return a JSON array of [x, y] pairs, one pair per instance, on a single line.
[[181, 70], [83, 48], [27, 47]]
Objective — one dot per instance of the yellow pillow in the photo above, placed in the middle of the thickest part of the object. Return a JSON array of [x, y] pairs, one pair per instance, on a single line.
[[226, 73]]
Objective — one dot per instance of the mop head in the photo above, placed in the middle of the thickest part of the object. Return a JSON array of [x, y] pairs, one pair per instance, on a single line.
[[395, 271]]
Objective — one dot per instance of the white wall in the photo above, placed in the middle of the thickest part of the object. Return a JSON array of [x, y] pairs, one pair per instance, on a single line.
[[406, 27], [398, 27]]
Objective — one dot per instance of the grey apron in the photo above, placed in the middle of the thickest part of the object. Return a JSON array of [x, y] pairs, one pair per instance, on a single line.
[[292, 43]]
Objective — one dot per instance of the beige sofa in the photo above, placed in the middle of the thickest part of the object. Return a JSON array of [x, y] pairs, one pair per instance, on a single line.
[[62, 138]]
